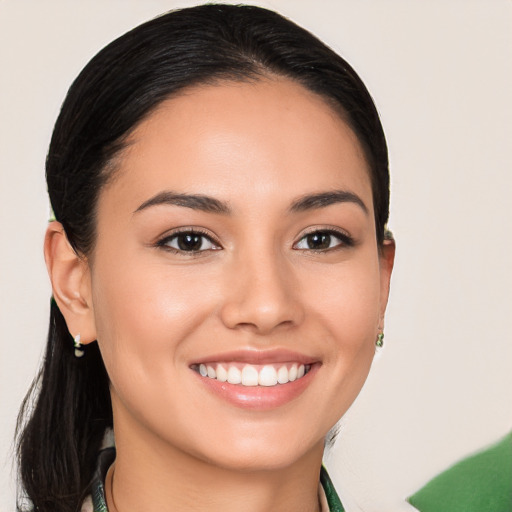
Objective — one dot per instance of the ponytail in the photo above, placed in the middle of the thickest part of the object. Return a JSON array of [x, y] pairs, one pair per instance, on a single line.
[[69, 408]]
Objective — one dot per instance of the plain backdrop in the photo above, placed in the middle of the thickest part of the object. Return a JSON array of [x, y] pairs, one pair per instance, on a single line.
[[441, 75]]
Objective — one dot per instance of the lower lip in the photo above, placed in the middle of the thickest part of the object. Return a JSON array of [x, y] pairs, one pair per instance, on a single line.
[[259, 397]]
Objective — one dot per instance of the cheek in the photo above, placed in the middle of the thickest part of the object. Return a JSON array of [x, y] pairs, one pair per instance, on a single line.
[[347, 299], [346, 305], [144, 314]]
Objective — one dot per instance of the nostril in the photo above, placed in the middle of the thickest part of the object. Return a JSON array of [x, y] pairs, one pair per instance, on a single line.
[[260, 321], [261, 298]]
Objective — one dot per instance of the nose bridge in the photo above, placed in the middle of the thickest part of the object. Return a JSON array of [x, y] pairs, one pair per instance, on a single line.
[[261, 292]]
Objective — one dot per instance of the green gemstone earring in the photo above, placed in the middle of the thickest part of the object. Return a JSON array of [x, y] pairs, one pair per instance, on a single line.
[[380, 340]]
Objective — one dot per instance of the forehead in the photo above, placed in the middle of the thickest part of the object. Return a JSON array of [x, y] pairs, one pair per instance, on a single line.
[[269, 136]]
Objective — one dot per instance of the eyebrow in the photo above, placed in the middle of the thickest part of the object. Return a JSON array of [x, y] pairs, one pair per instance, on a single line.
[[324, 199], [211, 205], [194, 201]]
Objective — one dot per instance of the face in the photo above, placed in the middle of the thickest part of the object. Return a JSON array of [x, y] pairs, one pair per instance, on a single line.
[[236, 281]]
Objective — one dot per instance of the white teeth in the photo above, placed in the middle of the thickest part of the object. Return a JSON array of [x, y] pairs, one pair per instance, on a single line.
[[222, 374], [234, 375], [282, 375], [268, 376], [253, 375], [249, 376]]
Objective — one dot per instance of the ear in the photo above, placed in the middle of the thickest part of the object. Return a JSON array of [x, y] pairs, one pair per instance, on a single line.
[[387, 259], [71, 283]]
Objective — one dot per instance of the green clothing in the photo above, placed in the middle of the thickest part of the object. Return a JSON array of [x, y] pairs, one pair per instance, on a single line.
[[105, 459], [479, 483], [108, 455]]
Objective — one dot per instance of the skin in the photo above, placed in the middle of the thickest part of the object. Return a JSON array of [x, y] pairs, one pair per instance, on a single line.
[[258, 147]]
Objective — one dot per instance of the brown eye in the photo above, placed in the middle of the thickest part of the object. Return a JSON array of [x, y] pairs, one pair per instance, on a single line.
[[319, 240], [188, 241], [323, 241]]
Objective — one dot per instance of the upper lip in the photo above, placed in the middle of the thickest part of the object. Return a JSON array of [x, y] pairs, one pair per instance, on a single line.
[[256, 356]]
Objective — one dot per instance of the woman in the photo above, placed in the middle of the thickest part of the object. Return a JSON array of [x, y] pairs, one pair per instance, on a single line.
[[219, 264]]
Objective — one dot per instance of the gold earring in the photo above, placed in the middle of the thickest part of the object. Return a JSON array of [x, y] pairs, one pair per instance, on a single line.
[[380, 340]]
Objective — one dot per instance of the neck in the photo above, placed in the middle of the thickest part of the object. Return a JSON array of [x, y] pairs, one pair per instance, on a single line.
[[149, 475]]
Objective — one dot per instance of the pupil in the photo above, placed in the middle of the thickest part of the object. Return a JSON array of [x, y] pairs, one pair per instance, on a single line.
[[189, 242], [319, 241]]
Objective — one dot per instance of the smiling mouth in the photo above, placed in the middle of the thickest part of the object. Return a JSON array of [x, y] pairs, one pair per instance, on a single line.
[[252, 375]]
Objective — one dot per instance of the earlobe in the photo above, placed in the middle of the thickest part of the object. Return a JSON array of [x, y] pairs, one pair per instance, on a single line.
[[71, 284]]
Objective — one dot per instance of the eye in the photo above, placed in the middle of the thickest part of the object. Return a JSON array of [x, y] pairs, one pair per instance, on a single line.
[[323, 240], [188, 241]]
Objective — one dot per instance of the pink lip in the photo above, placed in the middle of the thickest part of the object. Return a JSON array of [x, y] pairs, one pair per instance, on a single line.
[[257, 357], [259, 398]]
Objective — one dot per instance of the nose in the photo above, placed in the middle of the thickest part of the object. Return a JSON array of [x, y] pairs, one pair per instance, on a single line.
[[262, 295]]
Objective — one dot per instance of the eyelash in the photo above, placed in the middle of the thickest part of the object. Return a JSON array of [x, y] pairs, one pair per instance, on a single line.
[[344, 241], [164, 242]]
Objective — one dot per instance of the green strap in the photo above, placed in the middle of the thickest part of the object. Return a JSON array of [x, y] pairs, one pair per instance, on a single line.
[[105, 460], [330, 492], [107, 456]]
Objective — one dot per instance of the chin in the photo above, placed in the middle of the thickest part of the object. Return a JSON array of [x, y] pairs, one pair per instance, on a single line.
[[253, 453]]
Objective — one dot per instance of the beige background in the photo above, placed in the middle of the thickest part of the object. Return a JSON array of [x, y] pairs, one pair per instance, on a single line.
[[441, 74]]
